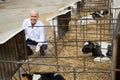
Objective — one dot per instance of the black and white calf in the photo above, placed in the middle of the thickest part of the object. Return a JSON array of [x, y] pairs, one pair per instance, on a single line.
[[99, 14], [99, 50], [92, 17], [42, 76]]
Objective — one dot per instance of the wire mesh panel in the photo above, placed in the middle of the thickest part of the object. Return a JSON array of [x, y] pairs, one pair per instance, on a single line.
[[66, 49], [67, 71]]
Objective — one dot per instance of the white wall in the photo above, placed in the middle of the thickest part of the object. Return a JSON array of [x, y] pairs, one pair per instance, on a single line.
[[116, 4]]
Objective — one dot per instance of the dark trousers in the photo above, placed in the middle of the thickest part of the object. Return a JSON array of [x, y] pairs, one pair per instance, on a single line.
[[31, 42]]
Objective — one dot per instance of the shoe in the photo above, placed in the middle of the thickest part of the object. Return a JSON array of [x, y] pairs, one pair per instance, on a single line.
[[42, 53]]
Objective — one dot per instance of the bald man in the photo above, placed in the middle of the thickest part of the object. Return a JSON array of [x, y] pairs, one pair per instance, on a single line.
[[35, 33]]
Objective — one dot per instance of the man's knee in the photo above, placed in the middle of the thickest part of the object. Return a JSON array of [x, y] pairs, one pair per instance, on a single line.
[[43, 47]]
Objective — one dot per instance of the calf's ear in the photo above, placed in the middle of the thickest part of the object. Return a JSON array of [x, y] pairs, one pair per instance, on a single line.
[[24, 74]]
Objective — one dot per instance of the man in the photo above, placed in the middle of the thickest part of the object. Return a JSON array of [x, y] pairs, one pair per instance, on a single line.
[[34, 33]]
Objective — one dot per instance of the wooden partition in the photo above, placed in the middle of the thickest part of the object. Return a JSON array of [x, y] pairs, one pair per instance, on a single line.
[[60, 23], [75, 7], [12, 50]]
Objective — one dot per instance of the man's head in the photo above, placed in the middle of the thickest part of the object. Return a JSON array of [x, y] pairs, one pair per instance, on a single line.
[[34, 15]]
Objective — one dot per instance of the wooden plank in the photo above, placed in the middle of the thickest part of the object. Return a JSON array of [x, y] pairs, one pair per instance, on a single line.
[[12, 50], [116, 58]]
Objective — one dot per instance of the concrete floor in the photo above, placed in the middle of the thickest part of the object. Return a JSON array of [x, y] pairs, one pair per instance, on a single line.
[[13, 12]]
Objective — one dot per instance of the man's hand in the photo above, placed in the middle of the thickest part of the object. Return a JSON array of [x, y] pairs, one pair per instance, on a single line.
[[38, 47]]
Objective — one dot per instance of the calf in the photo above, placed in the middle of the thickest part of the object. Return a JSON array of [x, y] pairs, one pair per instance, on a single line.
[[109, 51], [92, 16], [42, 76], [100, 49], [86, 20], [99, 14], [91, 47]]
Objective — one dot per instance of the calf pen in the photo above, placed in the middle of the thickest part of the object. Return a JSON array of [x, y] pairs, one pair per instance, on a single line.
[[63, 54]]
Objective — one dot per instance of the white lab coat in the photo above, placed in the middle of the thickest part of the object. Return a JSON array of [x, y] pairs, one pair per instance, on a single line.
[[37, 33]]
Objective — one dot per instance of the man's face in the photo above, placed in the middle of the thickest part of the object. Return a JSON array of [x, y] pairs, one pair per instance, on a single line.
[[33, 17]]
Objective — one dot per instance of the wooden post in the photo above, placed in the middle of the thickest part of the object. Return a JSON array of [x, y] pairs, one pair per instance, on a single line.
[[116, 58]]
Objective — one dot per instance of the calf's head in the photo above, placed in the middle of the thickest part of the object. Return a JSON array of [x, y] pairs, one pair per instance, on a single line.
[[42, 76], [96, 52], [94, 48], [109, 51], [95, 15], [31, 76], [88, 47]]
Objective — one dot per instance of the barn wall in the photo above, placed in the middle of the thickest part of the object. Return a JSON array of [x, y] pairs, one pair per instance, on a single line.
[[12, 50], [115, 12], [115, 5]]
